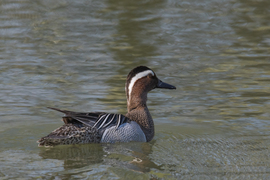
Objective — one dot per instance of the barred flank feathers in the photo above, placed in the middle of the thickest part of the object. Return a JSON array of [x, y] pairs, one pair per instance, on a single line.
[[80, 128], [70, 134]]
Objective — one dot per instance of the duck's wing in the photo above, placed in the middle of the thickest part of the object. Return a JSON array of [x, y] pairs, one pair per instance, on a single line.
[[98, 120]]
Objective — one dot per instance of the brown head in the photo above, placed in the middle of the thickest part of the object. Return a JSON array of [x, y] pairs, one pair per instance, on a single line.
[[139, 82]]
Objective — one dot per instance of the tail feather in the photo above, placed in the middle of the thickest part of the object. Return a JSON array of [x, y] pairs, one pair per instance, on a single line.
[[78, 118], [62, 111]]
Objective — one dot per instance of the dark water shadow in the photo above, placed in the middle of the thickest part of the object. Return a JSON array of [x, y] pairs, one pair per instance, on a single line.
[[132, 44], [252, 29], [133, 156], [74, 156]]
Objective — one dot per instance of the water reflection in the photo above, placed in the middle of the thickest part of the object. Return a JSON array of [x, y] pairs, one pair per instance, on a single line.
[[129, 45], [74, 156], [133, 156], [250, 23], [246, 66]]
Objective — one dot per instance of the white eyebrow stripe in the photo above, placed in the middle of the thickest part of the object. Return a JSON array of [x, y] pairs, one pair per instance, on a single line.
[[138, 76]]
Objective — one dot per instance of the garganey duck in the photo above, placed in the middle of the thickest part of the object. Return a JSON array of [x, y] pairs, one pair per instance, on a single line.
[[101, 127]]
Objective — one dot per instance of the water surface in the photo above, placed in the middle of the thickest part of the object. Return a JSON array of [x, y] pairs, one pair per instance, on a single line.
[[76, 55]]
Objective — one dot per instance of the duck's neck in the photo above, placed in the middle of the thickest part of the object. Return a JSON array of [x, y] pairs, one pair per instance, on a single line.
[[136, 100], [138, 112]]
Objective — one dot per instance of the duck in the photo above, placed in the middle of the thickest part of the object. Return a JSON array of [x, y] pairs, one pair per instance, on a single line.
[[101, 127]]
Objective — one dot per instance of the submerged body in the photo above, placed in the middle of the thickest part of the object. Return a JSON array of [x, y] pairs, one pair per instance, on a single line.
[[114, 128], [100, 127]]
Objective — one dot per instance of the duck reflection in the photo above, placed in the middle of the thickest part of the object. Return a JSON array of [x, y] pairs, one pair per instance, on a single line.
[[134, 155], [74, 156]]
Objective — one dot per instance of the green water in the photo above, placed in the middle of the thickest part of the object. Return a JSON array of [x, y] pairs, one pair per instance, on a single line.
[[76, 55]]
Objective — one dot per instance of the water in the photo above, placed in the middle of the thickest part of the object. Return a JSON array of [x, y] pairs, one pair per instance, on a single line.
[[76, 55]]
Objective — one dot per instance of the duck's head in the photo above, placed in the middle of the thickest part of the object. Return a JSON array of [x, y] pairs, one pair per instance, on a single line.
[[140, 81]]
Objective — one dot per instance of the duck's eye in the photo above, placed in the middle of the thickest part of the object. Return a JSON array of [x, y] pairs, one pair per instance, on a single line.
[[150, 76]]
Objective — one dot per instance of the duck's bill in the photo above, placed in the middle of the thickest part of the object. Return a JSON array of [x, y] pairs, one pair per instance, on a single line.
[[164, 85]]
